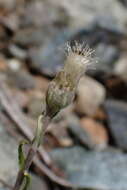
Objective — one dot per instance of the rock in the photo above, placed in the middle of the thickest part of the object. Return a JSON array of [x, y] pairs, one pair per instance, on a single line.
[[73, 124], [90, 133], [117, 115], [12, 26], [60, 134], [17, 51], [120, 68], [106, 56], [41, 21], [44, 13], [47, 61], [49, 58], [124, 2], [21, 79], [93, 170], [90, 95], [109, 23], [8, 157], [84, 12], [14, 64], [8, 4], [27, 37], [38, 183], [96, 132]]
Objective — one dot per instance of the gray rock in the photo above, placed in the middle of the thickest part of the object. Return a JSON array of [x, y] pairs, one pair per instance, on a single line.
[[84, 12], [109, 23], [74, 127], [84, 136], [49, 58], [38, 183], [120, 68], [124, 2], [8, 4], [117, 115], [47, 61], [21, 79], [106, 56], [14, 65], [93, 170], [17, 51], [28, 37], [8, 157]]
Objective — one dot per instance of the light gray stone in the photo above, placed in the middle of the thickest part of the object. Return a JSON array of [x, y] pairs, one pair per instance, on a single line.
[[105, 170], [117, 120], [8, 157]]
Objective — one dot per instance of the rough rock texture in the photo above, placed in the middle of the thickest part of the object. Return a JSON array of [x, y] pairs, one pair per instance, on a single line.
[[38, 183], [88, 132], [83, 11], [117, 115], [106, 56], [96, 131], [8, 157], [105, 170]]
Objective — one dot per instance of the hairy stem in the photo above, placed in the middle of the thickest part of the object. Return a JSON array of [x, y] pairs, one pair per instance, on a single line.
[[43, 122]]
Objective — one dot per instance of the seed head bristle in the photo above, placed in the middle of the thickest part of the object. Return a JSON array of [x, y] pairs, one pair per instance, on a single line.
[[78, 48], [82, 50]]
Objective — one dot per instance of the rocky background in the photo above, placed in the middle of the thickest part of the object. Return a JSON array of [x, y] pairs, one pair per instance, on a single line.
[[85, 147]]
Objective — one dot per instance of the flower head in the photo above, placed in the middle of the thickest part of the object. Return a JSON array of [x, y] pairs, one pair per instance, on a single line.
[[61, 90], [77, 61]]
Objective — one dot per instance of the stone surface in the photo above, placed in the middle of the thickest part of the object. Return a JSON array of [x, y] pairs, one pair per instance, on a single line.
[[8, 4], [21, 79], [38, 183], [105, 170], [47, 61], [14, 64], [17, 52], [120, 68], [90, 95], [96, 131], [73, 124], [106, 56], [49, 58], [88, 132], [8, 157], [83, 11], [117, 121], [124, 2]]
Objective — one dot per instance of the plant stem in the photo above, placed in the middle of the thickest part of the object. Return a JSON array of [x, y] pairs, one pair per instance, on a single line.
[[43, 122]]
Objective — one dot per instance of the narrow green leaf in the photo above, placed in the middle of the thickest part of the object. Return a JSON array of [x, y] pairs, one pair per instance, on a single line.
[[21, 157]]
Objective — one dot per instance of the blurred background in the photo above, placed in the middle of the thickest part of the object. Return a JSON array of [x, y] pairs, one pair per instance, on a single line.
[[85, 146]]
